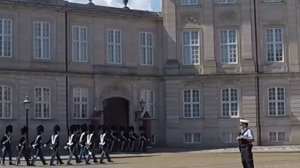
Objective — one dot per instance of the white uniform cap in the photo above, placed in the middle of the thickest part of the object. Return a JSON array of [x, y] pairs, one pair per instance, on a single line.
[[244, 121]]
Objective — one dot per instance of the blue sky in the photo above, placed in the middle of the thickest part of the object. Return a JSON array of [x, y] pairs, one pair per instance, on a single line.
[[152, 5]]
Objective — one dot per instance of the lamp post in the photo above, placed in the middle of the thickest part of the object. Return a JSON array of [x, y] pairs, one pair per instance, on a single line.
[[27, 106]]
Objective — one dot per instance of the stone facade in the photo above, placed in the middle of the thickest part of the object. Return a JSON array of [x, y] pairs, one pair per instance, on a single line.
[[196, 104]]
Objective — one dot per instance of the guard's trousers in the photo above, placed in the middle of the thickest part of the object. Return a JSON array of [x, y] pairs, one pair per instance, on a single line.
[[104, 153], [55, 154], [71, 154], [23, 152], [6, 150], [38, 153], [247, 156]]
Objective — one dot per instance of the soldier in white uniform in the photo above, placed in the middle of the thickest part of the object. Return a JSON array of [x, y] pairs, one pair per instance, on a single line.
[[246, 138]]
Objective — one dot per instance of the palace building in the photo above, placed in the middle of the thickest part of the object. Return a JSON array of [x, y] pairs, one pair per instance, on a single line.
[[196, 68]]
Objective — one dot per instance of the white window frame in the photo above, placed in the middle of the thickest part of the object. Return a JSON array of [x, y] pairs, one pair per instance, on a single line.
[[277, 137], [230, 103], [277, 101], [194, 59], [6, 103], [192, 138], [82, 92], [232, 138], [81, 42], [189, 2], [149, 106], [274, 44], [44, 54], [226, 2], [6, 34], [146, 49], [191, 104], [226, 58], [114, 44], [43, 102]]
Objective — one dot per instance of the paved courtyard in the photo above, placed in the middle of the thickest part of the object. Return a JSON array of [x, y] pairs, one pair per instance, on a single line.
[[265, 157]]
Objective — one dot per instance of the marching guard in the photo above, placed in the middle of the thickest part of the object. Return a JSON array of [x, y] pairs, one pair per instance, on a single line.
[[22, 147], [37, 146], [123, 138], [82, 142], [103, 145], [113, 138], [71, 145], [246, 139], [143, 140], [132, 139], [6, 145], [90, 145], [54, 146]]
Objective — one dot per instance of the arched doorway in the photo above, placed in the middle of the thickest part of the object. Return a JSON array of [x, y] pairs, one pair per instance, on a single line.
[[116, 112]]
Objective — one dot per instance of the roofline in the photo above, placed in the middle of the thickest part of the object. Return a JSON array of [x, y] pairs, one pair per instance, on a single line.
[[89, 8]]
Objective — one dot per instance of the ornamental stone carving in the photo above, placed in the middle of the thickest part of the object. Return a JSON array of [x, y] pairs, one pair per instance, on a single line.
[[190, 18]]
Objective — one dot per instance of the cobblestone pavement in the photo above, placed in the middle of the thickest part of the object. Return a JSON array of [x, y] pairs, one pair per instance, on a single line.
[[266, 157]]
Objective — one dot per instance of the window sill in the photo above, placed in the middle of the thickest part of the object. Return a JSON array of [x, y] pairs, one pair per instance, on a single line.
[[80, 119], [192, 143], [273, 3], [277, 116], [41, 60], [192, 118], [79, 62], [43, 119], [7, 119], [227, 4]]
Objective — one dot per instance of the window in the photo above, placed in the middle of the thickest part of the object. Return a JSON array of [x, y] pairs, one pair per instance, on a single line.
[[80, 103], [5, 102], [79, 44], [230, 102], [192, 138], [146, 48], [228, 47], [226, 1], [229, 137], [41, 40], [271, 1], [276, 101], [189, 2], [274, 44], [148, 97], [191, 48], [42, 103], [114, 46], [5, 37], [277, 136], [191, 103]]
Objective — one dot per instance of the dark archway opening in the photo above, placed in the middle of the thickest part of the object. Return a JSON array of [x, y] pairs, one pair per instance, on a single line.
[[116, 112]]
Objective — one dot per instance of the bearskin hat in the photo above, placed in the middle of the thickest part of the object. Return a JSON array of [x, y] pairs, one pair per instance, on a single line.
[[40, 129], [83, 128], [122, 128], [142, 128], [131, 128], [24, 130], [73, 128], [9, 129], [56, 128], [91, 128]]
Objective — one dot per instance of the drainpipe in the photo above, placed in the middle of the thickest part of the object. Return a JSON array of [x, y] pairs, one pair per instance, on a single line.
[[67, 68], [257, 71]]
